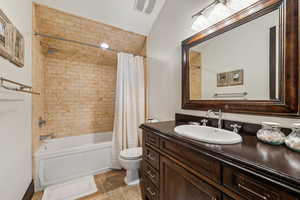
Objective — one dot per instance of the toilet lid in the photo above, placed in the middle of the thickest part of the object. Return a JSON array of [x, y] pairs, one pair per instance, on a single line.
[[132, 153]]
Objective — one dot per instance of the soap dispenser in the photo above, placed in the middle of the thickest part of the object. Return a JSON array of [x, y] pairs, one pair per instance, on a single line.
[[293, 140]]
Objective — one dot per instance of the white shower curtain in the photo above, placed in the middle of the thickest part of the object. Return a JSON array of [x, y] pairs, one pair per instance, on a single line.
[[129, 106]]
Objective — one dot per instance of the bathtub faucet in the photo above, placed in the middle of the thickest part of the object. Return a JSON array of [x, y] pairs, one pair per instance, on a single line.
[[46, 137]]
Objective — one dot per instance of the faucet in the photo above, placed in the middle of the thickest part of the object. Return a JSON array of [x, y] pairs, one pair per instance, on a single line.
[[219, 114], [47, 137], [41, 122]]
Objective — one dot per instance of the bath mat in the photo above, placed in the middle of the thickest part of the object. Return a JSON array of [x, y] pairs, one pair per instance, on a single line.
[[71, 190]]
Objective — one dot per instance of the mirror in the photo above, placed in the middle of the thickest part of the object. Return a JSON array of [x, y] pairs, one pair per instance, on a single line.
[[239, 64], [247, 63]]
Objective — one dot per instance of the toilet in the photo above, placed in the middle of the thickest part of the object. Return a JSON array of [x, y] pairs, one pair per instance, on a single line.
[[130, 160]]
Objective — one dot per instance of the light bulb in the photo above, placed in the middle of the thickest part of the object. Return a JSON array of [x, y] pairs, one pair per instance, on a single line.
[[104, 45], [200, 23], [237, 5], [219, 12]]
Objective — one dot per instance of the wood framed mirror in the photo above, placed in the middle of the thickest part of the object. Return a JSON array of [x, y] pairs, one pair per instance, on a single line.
[[247, 63]]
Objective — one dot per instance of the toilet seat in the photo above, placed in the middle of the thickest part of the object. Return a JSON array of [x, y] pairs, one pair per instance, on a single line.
[[132, 153]]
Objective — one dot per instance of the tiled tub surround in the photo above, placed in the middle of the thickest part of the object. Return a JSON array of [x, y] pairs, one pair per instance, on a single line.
[[77, 82], [79, 97], [110, 186]]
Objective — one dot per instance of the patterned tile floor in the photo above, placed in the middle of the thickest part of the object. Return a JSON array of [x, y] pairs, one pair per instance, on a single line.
[[110, 186]]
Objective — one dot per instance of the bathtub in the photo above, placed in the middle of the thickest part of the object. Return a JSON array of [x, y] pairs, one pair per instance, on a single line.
[[63, 159]]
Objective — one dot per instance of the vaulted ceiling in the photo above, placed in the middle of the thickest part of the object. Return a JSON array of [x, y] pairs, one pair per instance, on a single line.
[[119, 13]]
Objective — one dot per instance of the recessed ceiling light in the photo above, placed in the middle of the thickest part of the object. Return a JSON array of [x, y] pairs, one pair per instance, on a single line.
[[104, 45]]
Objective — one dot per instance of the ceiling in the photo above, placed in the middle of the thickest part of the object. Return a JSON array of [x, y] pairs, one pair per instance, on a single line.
[[119, 13]]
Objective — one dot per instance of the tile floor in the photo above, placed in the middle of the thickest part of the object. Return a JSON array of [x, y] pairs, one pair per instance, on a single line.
[[110, 186]]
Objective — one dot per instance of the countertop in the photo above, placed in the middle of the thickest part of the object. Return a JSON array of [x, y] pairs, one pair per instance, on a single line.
[[277, 162]]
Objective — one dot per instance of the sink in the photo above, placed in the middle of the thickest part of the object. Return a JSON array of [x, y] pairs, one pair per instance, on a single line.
[[208, 134]]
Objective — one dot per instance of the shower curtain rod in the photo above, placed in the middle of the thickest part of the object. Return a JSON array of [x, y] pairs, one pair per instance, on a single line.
[[81, 43]]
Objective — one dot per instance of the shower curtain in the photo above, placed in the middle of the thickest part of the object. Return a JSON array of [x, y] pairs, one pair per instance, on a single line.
[[129, 105]]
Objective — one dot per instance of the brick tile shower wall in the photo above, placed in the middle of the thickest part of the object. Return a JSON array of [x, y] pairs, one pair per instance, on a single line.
[[80, 81], [79, 97]]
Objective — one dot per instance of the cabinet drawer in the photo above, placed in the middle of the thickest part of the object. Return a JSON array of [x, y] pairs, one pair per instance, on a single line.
[[152, 157], [151, 139], [204, 165], [151, 192], [152, 174], [252, 188]]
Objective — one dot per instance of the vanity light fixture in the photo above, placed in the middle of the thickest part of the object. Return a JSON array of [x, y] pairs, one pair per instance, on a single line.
[[202, 22]]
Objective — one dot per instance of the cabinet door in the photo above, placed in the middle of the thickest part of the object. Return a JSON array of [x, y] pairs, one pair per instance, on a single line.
[[176, 183]]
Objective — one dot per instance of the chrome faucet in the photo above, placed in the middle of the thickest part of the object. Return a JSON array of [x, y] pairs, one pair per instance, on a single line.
[[218, 114]]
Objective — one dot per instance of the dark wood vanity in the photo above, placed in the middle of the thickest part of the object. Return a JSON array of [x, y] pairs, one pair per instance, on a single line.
[[178, 168]]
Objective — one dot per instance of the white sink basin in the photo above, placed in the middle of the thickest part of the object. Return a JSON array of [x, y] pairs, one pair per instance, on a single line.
[[208, 134]]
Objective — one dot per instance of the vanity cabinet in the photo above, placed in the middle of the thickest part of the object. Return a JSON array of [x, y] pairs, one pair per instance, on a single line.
[[175, 169]]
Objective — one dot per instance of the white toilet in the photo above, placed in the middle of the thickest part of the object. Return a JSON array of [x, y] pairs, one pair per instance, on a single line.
[[130, 160]]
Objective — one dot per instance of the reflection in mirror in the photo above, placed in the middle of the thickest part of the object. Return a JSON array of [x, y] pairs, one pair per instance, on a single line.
[[242, 63]]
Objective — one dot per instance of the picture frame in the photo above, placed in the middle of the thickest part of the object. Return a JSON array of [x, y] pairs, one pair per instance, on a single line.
[[222, 79], [18, 48], [236, 77], [6, 31]]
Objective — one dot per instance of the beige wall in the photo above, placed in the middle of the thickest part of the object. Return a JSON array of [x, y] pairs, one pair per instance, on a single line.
[[77, 82], [79, 97]]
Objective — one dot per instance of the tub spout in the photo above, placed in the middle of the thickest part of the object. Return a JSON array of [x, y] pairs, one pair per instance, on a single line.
[[46, 137]]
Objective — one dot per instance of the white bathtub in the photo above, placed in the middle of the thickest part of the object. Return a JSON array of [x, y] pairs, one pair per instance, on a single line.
[[63, 159]]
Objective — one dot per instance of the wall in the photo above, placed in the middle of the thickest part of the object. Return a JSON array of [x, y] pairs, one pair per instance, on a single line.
[[15, 116], [79, 97], [164, 54], [79, 81]]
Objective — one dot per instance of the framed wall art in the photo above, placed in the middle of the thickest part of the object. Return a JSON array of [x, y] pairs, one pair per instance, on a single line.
[[222, 79], [11, 41], [6, 29], [236, 77], [18, 48]]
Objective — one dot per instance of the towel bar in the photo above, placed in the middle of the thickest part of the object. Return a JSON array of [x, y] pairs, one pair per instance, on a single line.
[[20, 87]]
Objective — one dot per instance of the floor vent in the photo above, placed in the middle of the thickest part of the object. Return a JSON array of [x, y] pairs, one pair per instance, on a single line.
[[145, 6]]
